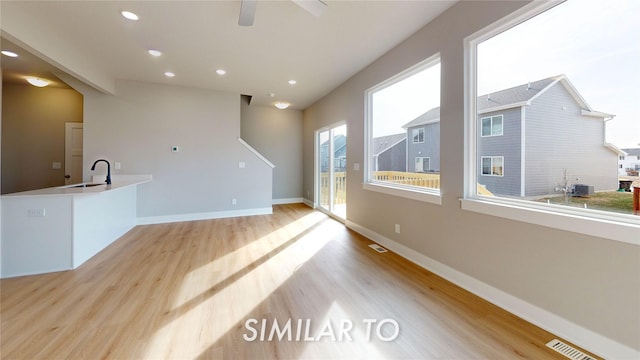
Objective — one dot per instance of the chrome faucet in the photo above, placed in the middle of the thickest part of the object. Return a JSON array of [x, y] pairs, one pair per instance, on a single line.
[[108, 169]]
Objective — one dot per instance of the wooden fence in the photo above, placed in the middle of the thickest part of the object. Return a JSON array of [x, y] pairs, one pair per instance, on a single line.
[[429, 180]]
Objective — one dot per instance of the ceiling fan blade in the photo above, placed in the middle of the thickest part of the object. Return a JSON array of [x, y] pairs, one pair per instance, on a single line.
[[315, 7], [247, 12]]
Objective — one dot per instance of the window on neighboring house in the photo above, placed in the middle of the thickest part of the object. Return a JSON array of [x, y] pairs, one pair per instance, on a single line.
[[492, 165], [638, 157], [418, 135], [492, 126], [423, 164], [620, 166], [550, 90], [402, 133]]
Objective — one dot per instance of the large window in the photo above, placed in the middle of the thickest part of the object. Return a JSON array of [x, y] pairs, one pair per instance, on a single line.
[[403, 133], [554, 91]]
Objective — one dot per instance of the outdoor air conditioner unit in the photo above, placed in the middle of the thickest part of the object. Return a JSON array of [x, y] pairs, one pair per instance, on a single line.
[[582, 190]]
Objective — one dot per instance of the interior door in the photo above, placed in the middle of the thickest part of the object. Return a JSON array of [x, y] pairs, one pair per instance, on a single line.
[[73, 153], [331, 182]]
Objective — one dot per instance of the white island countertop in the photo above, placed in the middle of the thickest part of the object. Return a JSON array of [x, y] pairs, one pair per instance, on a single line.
[[59, 228], [118, 181]]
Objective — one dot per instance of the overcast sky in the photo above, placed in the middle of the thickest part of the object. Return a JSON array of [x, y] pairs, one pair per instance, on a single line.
[[595, 43]]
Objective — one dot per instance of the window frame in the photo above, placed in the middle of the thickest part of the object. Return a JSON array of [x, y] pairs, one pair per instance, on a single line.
[[423, 194], [491, 158], [491, 134], [603, 224], [420, 132]]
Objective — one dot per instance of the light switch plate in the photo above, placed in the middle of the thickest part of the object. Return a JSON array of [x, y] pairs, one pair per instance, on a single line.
[[56, 165], [242, 164]]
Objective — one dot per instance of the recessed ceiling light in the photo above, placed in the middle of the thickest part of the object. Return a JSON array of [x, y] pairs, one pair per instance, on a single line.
[[129, 15], [281, 105], [9, 53], [156, 53], [37, 82], [169, 74], [221, 72], [292, 82]]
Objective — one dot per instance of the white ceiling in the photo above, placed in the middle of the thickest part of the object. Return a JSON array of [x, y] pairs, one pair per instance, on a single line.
[[198, 37]]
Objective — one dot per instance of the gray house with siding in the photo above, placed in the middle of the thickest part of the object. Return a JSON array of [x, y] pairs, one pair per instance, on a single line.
[[528, 138], [423, 142], [390, 153]]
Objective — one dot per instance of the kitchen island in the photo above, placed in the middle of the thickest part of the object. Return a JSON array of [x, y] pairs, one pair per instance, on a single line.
[[60, 228]]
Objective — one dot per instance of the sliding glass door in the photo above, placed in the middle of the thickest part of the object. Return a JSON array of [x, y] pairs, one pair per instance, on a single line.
[[331, 182]]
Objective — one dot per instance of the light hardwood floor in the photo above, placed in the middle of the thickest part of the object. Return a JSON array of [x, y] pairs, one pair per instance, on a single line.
[[186, 291]]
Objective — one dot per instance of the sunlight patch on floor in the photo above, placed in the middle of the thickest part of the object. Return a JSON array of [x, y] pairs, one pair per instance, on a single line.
[[358, 348], [179, 339], [213, 273]]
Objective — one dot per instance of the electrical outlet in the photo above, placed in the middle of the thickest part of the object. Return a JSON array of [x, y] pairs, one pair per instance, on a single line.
[[356, 166], [234, 201], [397, 228], [36, 212], [118, 165], [242, 165]]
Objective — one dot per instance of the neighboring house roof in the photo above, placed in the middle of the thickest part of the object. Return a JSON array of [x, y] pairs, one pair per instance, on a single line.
[[339, 144], [382, 143], [615, 149], [429, 117], [632, 151], [521, 95]]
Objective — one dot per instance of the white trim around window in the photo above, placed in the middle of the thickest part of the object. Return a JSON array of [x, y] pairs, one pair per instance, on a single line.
[[424, 194]]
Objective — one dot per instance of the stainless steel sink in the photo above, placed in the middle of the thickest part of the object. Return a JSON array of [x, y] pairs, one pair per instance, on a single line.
[[85, 185]]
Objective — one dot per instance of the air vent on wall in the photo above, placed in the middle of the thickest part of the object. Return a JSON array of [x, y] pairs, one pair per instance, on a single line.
[[378, 248], [568, 350]]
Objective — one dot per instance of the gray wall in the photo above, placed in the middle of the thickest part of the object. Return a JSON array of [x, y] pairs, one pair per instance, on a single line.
[[590, 281], [558, 137], [33, 135], [507, 145], [394, 158], [429, 148], [139, 125], [277, 134]]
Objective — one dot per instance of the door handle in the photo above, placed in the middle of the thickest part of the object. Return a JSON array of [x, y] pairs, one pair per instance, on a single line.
[[67, 176]]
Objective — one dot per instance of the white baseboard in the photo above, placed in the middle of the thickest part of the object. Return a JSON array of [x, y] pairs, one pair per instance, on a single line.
[[583, 337], [309, 203], [203, 216], [283, 201]]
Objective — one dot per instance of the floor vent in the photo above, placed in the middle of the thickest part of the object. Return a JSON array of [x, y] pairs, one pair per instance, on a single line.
[[568, 350], [378, 248]]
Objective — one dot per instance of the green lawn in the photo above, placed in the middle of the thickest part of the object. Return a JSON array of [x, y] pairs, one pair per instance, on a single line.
[[615, 201]]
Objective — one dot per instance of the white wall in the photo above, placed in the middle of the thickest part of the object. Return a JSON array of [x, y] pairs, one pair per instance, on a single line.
[[141, 122], [590, 282], [277, 134]]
